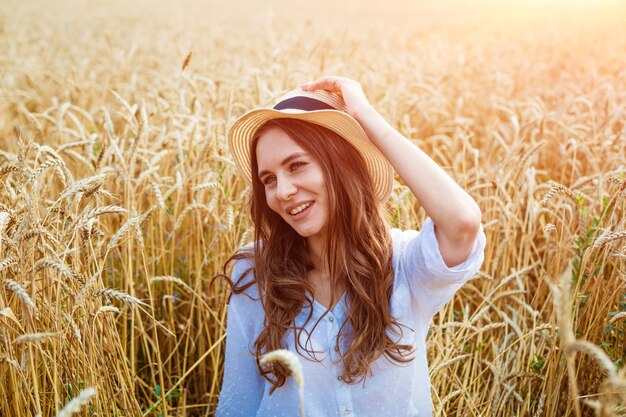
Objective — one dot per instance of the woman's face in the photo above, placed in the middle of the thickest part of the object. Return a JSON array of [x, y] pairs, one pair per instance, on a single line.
[[294, 183]]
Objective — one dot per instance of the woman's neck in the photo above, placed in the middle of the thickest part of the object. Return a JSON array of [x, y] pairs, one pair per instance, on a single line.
[[315, 246]]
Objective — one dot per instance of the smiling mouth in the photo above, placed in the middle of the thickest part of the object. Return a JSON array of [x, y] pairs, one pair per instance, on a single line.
[[301, 211], [300, 208]]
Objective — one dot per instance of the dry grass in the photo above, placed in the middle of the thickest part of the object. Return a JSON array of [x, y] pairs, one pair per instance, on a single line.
[[119, 201]]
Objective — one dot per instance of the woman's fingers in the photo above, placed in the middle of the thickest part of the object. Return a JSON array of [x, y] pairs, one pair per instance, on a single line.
[[350, 91], [328, 82]]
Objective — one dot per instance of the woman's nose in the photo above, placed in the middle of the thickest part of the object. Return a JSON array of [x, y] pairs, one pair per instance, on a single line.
[[285, 188]]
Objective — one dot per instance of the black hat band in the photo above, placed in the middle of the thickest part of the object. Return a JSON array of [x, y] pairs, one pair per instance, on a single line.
[[303, 103]]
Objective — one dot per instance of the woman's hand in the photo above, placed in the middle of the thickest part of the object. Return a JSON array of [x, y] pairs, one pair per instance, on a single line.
[[351, 91]]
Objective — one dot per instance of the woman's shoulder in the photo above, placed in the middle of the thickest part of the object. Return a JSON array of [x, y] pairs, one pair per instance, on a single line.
[[400, 237], [242, 274], [407, 241]]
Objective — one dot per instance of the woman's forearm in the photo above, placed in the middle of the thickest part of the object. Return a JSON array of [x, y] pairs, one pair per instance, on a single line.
[[446, 203]]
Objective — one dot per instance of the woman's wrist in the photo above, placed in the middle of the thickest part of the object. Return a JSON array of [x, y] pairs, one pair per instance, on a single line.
[[375, 126], [364, 113]]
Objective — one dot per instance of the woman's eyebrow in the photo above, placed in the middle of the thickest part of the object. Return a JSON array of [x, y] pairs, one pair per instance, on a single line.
[[285, 161]]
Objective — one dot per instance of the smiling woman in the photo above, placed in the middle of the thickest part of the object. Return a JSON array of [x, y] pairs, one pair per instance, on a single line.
[[317, 183], [326, 277]]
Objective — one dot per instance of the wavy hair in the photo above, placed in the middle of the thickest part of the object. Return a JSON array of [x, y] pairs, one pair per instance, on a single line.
[[358, 253]]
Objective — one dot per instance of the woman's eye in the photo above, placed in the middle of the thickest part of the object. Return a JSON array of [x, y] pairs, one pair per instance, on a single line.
[[268, 180], [296, 165]]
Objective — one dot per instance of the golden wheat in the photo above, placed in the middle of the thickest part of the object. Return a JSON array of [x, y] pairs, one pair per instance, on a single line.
[[117, 184], [75, 405]]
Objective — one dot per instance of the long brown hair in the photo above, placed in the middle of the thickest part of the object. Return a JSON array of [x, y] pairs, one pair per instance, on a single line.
[[358, 253]]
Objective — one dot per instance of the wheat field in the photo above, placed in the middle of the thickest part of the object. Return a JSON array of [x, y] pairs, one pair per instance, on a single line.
[[119, 200]]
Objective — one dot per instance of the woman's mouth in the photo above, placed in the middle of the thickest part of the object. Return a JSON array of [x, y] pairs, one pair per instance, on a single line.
[[301, 211]]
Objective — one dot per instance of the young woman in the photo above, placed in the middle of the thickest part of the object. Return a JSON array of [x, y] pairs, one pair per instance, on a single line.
[[327, 278]]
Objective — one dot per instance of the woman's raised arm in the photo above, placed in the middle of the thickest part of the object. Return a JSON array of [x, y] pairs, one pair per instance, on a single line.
[[456, 215]]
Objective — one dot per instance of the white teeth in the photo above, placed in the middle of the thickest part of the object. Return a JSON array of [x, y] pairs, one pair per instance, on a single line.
[[299, 209]]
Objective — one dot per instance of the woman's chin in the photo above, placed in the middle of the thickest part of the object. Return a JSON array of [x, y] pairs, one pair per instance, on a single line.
[[311, 232], [305, 233]]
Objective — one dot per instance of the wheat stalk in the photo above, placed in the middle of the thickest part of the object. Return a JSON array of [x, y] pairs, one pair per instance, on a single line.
[[98, 211], [45, 149], [77, 403], [37, 232], [10, 361], [595, 352], [76, 144], [120, 232], [101, 153], [448, 362], [207, 185], [59, 267], [618, 316], [16, 288], [446, 399], [9, 168], [608, 237], [33, 338], [189, 208], [42, 167], [556, 188], [74, 327], [5, 263], [172, 279], [549, 228], [291, 361], [158, 194], [562, 306], [84, 185], [118, 295], [5, 217], [187, 60], [109, 309]]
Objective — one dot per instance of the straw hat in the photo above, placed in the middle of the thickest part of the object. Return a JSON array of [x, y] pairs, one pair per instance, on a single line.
[[322, 108]]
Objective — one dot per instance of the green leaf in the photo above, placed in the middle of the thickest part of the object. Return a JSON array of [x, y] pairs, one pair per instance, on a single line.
[[157, 391], [174, 394], [607, 329], [537, 363]]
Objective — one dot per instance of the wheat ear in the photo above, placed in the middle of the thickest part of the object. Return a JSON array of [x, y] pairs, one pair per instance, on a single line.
[[20, 292], [76, 403], [33, 337], [290, 360]]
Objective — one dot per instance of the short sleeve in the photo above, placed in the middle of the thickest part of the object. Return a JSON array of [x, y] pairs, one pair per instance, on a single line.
[[242, 386], [431, 281]]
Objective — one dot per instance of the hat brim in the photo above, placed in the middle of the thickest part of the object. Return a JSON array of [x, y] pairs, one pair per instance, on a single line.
[[243, 130]]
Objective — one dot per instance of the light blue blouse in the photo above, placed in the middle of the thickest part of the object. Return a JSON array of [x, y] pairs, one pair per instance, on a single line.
[[422, 285]]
